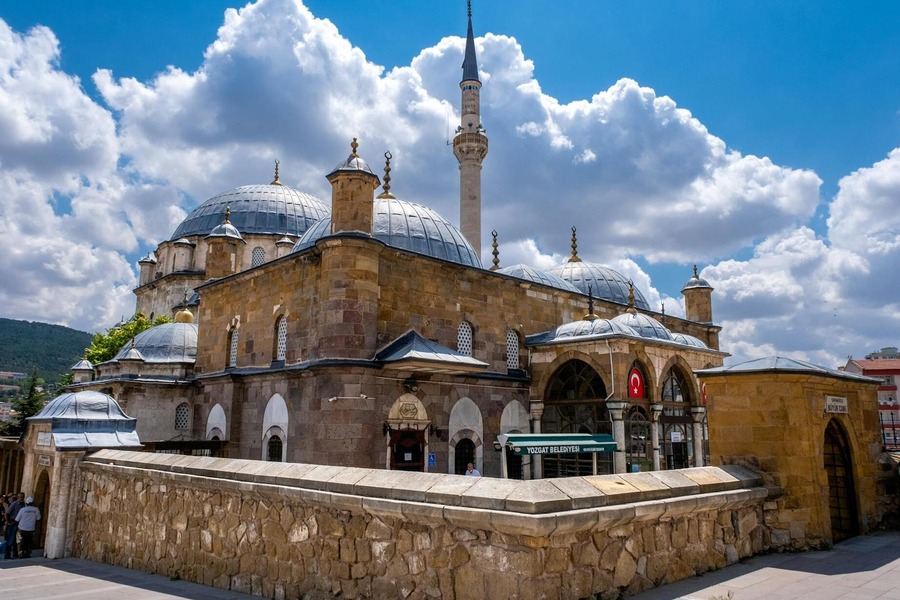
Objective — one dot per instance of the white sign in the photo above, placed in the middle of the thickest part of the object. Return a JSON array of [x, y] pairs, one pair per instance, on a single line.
[[44, 438], [836, 404], [44, 460], [675, 436]]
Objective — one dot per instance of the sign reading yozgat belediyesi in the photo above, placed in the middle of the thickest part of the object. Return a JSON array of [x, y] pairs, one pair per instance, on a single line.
[[836, 404]]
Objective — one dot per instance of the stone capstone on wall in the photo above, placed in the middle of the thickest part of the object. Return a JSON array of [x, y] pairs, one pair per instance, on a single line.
[[283, 530]]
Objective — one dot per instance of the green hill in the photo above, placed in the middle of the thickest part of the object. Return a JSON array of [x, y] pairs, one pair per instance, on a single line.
[[52, 349]]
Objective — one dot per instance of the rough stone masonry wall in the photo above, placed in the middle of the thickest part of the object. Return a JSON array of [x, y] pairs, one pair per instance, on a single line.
[[293, 530]]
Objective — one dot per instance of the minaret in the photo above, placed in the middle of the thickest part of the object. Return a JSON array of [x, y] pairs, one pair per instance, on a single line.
[[470, 145]]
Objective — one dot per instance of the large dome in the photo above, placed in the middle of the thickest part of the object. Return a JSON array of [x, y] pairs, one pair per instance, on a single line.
[[166, 343], [529, 273], [605, 283], [408, 226], [256, 209]]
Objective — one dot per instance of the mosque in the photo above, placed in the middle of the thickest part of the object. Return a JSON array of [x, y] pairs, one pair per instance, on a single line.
[[366, 332]]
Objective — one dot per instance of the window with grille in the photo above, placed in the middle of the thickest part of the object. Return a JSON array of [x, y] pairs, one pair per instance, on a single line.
[[259, 257], [512, 350], [464, 339], [280, 338], [233, 349], [274, 449], [182, 416]]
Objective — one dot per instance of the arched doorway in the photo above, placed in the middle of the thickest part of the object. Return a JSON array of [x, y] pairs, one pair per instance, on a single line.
[[42, 502], [575, 403], [465, 454], [841, 492]]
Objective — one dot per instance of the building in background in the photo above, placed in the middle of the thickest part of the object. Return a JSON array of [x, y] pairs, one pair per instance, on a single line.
[[884, 366]]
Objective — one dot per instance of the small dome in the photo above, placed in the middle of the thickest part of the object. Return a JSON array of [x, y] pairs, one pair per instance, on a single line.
[[83, 406], [353, 164], [149, 259], [581, 329], [645, 326], [184, 242], [528, 273], [184, 316], [605, 283], [225, 230], [256, 209], [166, 343], [696, 282], [689, 340], [132, 354], [408, 226]]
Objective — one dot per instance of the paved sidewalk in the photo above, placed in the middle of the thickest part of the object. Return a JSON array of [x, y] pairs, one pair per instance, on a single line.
[[70, 578], [862, 568]]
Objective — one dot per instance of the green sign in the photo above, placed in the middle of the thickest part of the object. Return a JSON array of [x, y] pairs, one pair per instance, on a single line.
[[525, 444]]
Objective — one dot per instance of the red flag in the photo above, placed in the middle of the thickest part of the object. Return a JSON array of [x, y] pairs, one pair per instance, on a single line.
[[635, 384]]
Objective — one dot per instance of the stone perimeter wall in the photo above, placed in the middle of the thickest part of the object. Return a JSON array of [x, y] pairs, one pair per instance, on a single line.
[[304, 531]]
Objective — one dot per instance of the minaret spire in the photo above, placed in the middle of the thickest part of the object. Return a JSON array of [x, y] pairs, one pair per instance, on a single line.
[[470, 145]]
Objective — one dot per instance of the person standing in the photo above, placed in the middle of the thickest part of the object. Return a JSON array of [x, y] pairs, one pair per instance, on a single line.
[[11, 526], [471, 471], [27, 518]]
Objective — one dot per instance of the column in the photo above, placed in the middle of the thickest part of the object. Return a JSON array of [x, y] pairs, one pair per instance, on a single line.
[[537, 413], [698, 412], [617, 413], [656, 410]]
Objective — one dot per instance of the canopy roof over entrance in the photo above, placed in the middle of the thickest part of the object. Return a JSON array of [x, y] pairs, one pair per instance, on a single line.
[[524, 444]]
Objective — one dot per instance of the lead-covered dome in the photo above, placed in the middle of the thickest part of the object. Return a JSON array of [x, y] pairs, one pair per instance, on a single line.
[[604, 283], [409, 226], [647, 327], [581, 329], [166, 343], [272, 209], [528, 273]]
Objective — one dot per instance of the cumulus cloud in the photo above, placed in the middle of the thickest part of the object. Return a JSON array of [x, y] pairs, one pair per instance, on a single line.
[[60, 224], [640, 175]]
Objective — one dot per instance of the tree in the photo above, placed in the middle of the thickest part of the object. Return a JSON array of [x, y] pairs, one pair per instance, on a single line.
[[26, 404], [105, 346]]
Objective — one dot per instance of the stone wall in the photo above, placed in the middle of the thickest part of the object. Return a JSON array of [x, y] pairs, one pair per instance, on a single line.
[[283, 530]]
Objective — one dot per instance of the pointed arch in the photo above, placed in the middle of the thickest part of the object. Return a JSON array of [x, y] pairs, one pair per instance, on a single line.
[[216, 422], [275, 425], [466, 423]]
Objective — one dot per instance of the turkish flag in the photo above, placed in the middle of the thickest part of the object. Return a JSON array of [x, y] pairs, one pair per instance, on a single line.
[[635, 384]]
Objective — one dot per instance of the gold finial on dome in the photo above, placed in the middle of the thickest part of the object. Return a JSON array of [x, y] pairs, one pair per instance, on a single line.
[[354, 145], [590, 316], [663, 311], [228, 214], [630, 308], [696, 276], [387, 175], [184, 316], [495, 252], [275, 181], [574, 257]]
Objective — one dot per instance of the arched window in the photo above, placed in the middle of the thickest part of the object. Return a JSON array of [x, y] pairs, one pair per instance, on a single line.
[[464, 339], [638, 444], [512, 349], [259, 257], [232, 348], [575, 403], [676, 431], [274, 449], [182, 416], [280, 337]]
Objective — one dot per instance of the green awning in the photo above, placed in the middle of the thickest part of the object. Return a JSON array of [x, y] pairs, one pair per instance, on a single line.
[[524, 444]]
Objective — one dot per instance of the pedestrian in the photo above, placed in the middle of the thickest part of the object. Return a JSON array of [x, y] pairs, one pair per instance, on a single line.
[[471, 471], [16, 503], [27, 518]]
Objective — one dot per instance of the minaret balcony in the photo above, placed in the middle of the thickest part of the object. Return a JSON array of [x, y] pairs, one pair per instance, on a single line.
[[468, 143]]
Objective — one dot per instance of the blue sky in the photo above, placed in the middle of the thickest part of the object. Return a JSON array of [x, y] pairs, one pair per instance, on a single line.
[[811, 89]]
